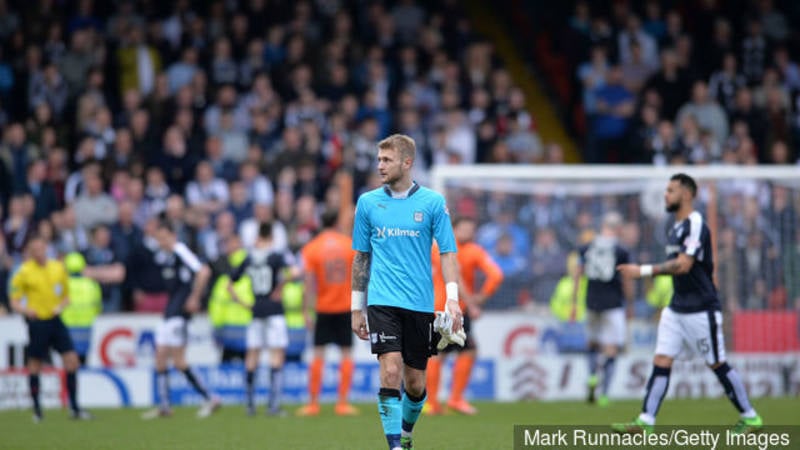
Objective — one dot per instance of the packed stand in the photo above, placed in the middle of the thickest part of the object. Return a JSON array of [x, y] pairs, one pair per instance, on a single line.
[[707, 83], [662, 82], [223, 114]]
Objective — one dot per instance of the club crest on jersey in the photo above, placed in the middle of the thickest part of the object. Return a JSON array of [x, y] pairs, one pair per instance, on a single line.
[[418, 216]]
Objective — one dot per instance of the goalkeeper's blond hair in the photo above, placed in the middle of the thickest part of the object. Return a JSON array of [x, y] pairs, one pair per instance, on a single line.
[[401, 143]]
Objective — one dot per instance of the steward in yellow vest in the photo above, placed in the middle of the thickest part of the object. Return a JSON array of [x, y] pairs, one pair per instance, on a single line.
[[230, 319], [86, 302], [295, 321], [561, 302]]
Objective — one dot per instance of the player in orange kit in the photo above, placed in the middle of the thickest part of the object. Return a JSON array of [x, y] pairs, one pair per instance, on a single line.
[[328, 259], [471, 258]]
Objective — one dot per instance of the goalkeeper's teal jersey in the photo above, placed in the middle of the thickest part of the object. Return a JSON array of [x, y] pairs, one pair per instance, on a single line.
[[399, 234]]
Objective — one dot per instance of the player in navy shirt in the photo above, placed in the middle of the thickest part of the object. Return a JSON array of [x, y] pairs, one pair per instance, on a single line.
[[185, 278], [693, 320], [266, 270], [604, 301], [393, 235]]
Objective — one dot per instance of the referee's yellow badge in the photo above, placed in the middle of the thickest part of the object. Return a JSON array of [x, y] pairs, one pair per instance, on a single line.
[[58, 289]]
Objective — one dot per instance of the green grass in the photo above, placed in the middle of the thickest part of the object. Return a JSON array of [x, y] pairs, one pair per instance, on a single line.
[[230, 429]]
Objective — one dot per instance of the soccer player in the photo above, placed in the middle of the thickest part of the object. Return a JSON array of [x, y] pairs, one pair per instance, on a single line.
[[266, 270], [604, 301], [186, 278], [472, 258], [328, 260], [693, 318], [39, 293], [393, 233]]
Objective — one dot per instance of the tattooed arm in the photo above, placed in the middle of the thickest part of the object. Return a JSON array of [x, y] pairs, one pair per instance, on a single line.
[[676, 266], [361, 265], [360, 280]]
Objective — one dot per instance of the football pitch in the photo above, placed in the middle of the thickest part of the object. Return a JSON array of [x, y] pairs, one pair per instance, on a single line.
[[492, 428]]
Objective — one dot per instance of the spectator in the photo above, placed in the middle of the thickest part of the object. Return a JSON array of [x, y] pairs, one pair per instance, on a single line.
[[524, 145], [175, 214], [549, 260], [755, 50], [125, 233], [137, 62], [17, 154], [726, 82], [745, 111], [240, 206], [259, 188], [636, 71], [706, 111], [48, 86], [72, 237], [180, 73], [75, 64], [234, 140], [18, 225], [94, 206], [176, 160], [212, 243], [206, 192], [105, 267], [789, 70], [615, 106], [635, 35], [671, 84], [262, 213], [511, 263], [44, 196]]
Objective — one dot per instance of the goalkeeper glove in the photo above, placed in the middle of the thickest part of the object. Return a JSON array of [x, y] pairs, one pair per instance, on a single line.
[[443, 324]]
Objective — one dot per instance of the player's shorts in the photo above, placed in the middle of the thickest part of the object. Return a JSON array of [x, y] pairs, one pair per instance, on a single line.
[[469, 343], [333, 329], [606, 327], [267, 332], [393, 329], [172, 332], [46, 334], [689, 334]]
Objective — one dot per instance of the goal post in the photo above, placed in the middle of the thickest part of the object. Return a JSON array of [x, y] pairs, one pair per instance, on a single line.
[[533, 217]]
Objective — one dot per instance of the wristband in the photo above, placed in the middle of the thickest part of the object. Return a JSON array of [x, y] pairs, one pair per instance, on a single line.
[[646, 270], [356, 300], [451, 289]]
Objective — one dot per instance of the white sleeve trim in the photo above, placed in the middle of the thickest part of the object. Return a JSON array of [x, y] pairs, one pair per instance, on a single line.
[[692, 241], [190, 259]]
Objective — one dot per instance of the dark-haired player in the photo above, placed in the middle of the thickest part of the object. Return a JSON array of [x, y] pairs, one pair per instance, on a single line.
[[186, 278], [693, 319], [266, 270], [605, 294]]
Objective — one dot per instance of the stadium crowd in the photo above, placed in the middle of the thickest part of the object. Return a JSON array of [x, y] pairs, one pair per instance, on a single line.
[[224, 114], [665, 83]]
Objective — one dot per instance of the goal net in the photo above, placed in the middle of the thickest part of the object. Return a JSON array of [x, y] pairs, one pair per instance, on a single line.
[[532, 218]]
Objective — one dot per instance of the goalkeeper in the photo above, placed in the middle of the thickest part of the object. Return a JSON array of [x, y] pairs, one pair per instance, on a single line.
[[393, 234]]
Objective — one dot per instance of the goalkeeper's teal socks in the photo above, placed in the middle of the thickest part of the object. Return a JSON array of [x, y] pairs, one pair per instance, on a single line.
[[391, 410], [412, 407]]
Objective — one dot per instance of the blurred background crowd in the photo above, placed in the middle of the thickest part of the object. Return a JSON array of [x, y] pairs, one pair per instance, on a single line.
[[223, 114]]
